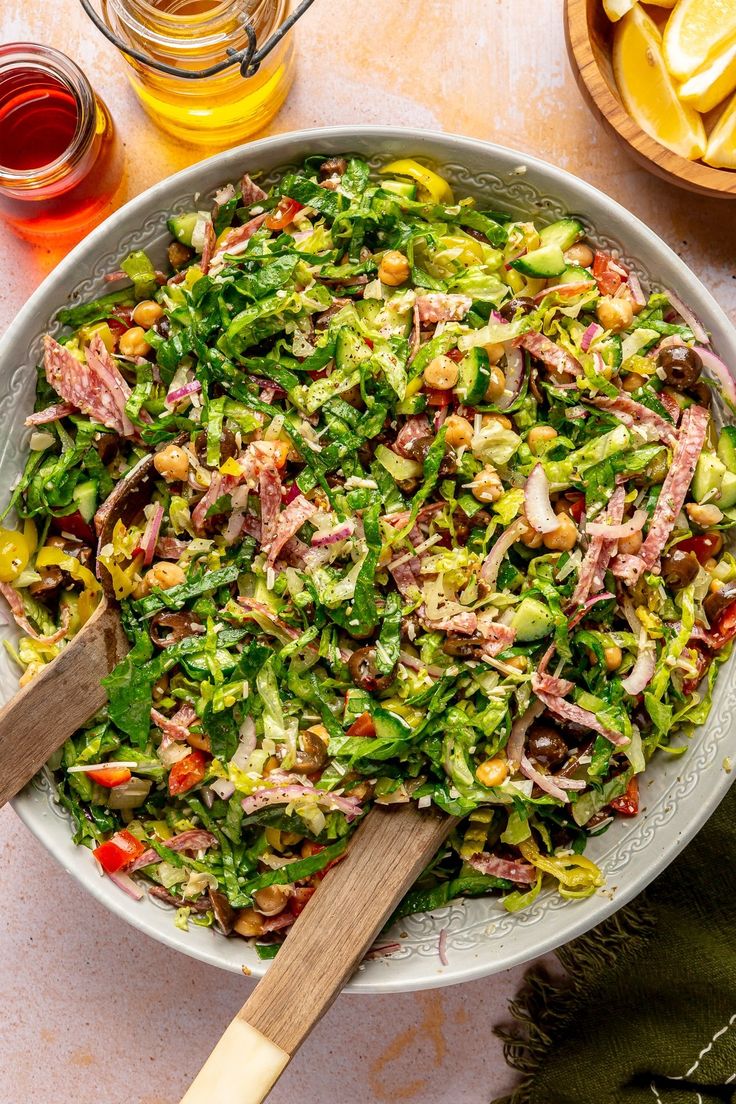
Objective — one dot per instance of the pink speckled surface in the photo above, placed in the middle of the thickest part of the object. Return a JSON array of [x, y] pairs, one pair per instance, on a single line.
[[95, 1013]]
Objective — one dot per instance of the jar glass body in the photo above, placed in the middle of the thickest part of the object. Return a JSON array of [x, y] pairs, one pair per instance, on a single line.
[[53, 197], [219, 110]]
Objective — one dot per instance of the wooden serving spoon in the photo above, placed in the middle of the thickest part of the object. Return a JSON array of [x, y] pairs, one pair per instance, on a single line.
[[323, 948], [63, 697], [330, 937]]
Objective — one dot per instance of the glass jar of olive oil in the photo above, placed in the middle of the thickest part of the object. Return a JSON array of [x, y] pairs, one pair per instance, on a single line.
[[190, 35]]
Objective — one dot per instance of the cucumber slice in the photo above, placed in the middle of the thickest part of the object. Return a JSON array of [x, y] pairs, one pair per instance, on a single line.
[[709, 475], [181, 227], [727, 447], [198, 667], [350, 350], [574, 274], [415, 404], [389, 725], [542, 263], [727, 497], [400, 187], [474, 376], [563, 233], [532, 620], [85, 496]]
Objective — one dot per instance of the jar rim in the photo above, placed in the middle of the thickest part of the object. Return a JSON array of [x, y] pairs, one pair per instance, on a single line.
[[162, 30], [46, 59]]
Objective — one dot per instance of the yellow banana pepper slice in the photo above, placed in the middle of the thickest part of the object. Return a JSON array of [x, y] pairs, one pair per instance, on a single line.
[[431, 186]]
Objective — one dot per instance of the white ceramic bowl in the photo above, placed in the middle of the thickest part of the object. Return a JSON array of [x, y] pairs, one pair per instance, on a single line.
[[678, 793]]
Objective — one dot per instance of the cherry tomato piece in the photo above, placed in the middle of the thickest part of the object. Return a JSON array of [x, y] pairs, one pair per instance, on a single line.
[[363, 726], [187, 773], [283, 214], [606, 273], [110, 777], [119, 851], [628, 803]]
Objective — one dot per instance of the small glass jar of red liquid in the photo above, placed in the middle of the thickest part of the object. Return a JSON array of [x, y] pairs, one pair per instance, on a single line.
[[60, 160]]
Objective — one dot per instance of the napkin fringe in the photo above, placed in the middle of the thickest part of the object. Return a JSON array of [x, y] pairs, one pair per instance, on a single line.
[[546, 1003]]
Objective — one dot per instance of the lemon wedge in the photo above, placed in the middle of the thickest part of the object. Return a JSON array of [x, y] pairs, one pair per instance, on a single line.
[[696, 30], [721, 149], [711, 84], [648, 91], [617, 9]]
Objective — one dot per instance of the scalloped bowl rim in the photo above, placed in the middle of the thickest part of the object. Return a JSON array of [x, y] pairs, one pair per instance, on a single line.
[[481, 938]]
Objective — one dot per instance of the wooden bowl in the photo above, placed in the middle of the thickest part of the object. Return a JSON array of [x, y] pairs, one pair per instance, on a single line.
[[589, 37]]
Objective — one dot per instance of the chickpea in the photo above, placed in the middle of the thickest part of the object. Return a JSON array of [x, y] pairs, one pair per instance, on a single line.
[[394, 268], [248, 923], [487, 486], [459, 431], [612, 656], [133, 342], [530, 538], [715, 585], [493, 772], [538, 434], [703, 516], [579, 254], [164, 575], [147, 312], [629, 546], [499, 419], [564, 537], [632, 382], [495, 350], [615, 314], [172, 463], [271, 900], [497, 385], [710, 565], [441, 373]]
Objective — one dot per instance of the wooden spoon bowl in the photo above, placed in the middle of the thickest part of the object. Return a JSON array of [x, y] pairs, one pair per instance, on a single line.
[[589, 38]]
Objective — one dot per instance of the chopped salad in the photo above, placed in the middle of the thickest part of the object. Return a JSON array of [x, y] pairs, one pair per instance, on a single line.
[[440, 516]]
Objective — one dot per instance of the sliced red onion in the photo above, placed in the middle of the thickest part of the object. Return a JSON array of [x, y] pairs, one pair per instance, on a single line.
[[593, 331], [246, 744], [537, 505], [568, 289], [720, 370], [283, 795], [440, 418], [442, 947], [568, 711], [636, 292], [126, 883], [688, 317], [517, 738], [641, 673], [331, 536], [150, 534], [544, 781], [521, 872], [181, 392], [223, 788], [50, 414], [618, 532], [514, 373], [290, 493], [492, 562], [415, 664]]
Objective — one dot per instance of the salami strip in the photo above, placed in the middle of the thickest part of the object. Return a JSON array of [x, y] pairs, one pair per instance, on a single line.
[[439, 307], [269, 482], [599, 552], [50, 414], [96, 388], [521, 872], [690, 441], [251, 193], [550, 354], [637, 416], [237, 240], [289, 523], [208, 248], [416, 426], [568, 711]]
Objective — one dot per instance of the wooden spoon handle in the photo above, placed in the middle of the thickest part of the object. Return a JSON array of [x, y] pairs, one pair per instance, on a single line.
[[58, 701], [325, 945]]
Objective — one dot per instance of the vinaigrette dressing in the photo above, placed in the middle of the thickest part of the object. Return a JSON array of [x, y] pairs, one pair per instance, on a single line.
[[218, 110]]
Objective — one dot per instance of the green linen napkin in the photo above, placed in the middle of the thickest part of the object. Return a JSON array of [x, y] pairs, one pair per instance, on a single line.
[[646, 1013]]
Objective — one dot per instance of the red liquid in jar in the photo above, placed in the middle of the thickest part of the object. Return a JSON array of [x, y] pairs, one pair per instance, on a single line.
[[60, 163], [38, 119]]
